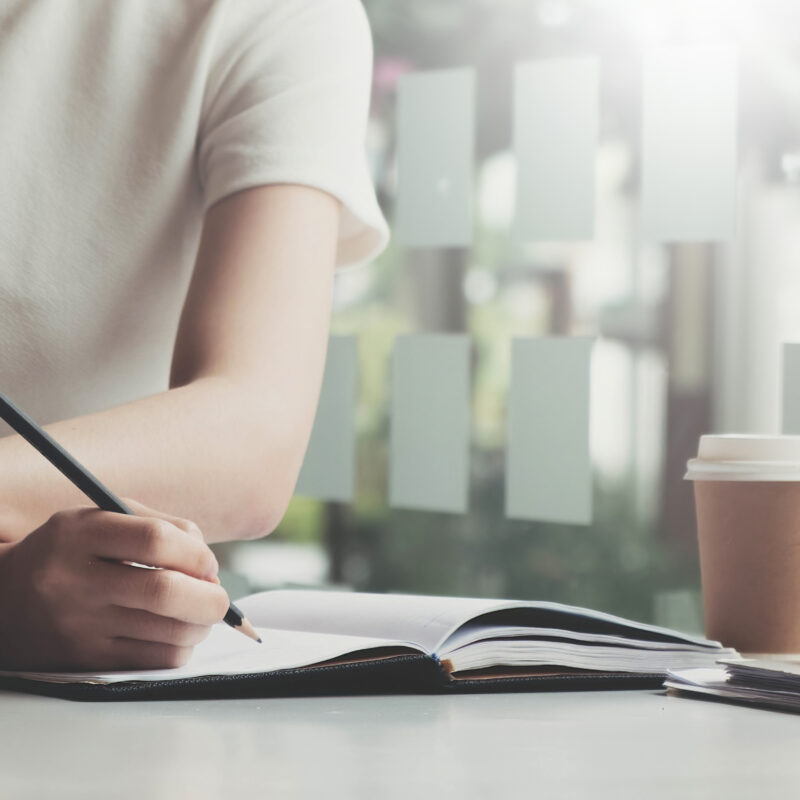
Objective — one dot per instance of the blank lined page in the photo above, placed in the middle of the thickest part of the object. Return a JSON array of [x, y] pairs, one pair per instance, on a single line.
[[228, 652], [422, 620], [428, 621]]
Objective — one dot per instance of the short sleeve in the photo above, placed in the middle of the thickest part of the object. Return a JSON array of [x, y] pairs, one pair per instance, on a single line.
[[287, 101]]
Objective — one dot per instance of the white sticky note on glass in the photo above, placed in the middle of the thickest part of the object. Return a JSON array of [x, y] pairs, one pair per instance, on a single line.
[[435, 158], [791, 389], [328, 471], [689, 123], [548, 463], [679, 609], [429, 462], [555, 138]]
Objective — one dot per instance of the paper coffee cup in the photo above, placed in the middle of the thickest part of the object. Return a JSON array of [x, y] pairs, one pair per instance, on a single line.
[[747, 496]]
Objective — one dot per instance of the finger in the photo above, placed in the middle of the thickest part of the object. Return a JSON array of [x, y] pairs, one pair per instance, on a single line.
[[186, 525], [161, 591], [136, 654], [154, 542], [133, 623]]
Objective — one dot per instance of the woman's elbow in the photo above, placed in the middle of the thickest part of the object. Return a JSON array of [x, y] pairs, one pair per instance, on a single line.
[[264, 509], [275, 460], [270, 488]]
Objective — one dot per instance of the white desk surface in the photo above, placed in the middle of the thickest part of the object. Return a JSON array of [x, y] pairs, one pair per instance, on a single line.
[[616, 745]]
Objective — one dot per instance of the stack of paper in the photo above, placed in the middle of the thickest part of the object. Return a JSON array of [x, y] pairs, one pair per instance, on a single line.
[[765, 682]]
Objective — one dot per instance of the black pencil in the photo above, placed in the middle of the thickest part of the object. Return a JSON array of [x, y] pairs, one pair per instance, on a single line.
[[99, 494]]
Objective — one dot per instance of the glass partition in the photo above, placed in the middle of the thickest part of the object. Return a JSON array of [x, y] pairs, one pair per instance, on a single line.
[[671, 242]]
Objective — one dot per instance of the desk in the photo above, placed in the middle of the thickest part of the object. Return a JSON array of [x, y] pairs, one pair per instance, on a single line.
[[638, 744]]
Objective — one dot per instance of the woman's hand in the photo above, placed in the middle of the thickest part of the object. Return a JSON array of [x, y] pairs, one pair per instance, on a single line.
[[13, 524], [68, 600]]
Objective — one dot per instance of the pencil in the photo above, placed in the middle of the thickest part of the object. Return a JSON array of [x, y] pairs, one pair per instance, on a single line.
[[99, 494]]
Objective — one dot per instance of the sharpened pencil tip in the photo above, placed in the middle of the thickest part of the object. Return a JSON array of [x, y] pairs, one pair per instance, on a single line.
[[248, 630], [259, 640]]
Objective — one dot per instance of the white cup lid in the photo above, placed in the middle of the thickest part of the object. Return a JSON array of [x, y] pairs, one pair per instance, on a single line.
[[742, 457]]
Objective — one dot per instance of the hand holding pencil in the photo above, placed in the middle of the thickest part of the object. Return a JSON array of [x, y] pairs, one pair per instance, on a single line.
[[160, 613], [78, 604]]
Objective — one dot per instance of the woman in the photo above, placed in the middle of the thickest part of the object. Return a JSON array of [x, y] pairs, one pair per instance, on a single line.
[[179, 180]]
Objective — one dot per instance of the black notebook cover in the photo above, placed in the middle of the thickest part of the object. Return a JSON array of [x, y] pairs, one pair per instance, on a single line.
[[396, 675]]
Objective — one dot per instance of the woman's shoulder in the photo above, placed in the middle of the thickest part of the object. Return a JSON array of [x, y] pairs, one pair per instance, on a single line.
[[329, 24]]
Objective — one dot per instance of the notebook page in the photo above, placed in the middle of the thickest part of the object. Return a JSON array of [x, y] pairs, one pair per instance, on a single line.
[[576, 655], [426, 621], [227, 652], [430, 621], [469, 635]]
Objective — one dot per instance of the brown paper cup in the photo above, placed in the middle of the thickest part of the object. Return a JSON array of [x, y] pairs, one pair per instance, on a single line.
[[749, 536], [748, 525]]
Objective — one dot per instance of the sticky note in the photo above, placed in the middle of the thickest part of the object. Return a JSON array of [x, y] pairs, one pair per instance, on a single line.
[[435, 158], [679, 609], [429, 461], [689, 122], [548, 464], [328, 471], [555, 138], [790, 423]]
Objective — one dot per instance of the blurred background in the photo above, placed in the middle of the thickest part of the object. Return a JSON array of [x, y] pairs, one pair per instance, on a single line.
[[688, 335]]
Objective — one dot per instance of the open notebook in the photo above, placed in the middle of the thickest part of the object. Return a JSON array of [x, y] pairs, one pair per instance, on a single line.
[[316, 641]]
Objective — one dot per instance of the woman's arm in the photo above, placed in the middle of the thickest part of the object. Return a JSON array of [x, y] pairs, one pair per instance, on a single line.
[[224, 445]]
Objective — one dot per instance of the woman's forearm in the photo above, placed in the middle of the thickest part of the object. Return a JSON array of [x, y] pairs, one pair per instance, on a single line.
[[210, 451], [225, 446]]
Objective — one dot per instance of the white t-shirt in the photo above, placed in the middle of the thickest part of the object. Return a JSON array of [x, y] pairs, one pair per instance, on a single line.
[[121, 122]]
